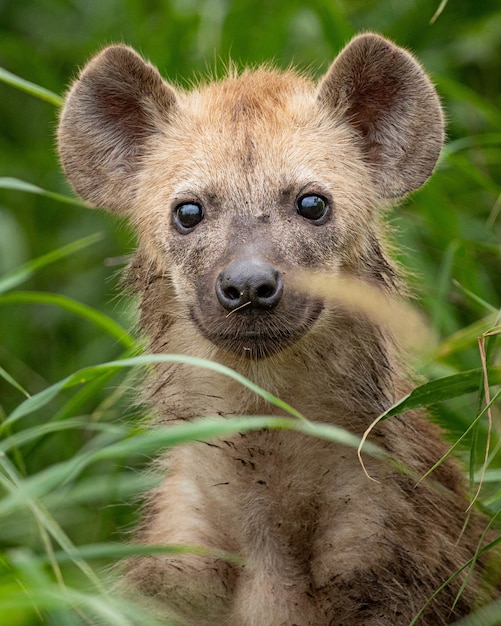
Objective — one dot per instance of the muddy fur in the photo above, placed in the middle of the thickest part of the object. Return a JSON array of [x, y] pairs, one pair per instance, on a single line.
[[322, 544]]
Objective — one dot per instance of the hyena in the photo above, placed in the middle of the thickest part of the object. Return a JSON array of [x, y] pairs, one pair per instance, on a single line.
[[235, 188]]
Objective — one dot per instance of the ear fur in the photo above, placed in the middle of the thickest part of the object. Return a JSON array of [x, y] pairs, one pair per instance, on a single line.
[[114, 106], [382, 91]]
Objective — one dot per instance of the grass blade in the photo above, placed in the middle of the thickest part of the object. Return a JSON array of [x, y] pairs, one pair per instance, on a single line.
[[36, 432], [439, 11], [29, 87], [87, 374], [445, 388], [24, 272], [20, 185], [101, 320], [113, 550], [6, 376], [462, 339]]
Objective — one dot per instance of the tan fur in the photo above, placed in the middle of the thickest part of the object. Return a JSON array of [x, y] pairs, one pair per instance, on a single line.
[[323, 545]]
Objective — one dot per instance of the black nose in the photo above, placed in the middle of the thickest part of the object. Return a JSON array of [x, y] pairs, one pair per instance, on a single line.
[[249, 281]]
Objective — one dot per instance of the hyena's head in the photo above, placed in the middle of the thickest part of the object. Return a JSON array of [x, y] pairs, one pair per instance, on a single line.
[[236, 186]]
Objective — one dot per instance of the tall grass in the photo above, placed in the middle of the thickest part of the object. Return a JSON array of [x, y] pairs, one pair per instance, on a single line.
[[72, 451]]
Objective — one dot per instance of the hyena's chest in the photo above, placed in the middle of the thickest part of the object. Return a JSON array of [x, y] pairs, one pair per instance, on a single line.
[[273, 490]]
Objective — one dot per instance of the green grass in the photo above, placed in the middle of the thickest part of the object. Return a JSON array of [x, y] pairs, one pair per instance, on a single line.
[[72, 449]]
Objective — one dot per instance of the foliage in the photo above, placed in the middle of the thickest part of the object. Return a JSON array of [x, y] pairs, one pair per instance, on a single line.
[[70, 451]]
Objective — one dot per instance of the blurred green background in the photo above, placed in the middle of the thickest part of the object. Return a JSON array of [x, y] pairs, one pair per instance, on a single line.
[[448, 234]]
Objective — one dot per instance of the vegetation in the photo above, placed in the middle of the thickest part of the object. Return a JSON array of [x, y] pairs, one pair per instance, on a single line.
[[71, 447]]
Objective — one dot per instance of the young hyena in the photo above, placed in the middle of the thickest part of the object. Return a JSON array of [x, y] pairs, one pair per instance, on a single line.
[[234, 188]]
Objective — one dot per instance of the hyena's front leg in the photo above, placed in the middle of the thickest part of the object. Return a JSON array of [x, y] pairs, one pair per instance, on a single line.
[[196, 589], [191, 590]]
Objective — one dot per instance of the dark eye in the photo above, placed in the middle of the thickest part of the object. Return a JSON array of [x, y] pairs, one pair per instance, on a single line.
[[187, 216], [314, 208]]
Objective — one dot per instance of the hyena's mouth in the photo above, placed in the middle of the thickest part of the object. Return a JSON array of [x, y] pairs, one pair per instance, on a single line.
[[259, 334]]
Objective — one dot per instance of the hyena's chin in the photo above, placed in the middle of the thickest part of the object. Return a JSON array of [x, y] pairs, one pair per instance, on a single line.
[[258, 334]]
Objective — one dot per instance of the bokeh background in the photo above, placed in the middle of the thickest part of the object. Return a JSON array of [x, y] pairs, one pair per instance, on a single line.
[[448, 234]]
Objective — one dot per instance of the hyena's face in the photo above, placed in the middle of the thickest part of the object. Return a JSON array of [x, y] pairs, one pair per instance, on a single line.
[[248, 186], [239, 186]]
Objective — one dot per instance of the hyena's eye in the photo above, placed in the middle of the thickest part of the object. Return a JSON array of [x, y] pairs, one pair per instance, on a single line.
[[187, 215], [314, 208]]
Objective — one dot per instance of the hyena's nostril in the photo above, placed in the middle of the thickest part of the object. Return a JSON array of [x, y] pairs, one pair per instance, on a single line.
[[249, 282], [232, 293]]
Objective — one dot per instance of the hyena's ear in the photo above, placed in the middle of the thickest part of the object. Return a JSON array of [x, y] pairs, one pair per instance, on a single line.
[[385, 95], [117, 103]]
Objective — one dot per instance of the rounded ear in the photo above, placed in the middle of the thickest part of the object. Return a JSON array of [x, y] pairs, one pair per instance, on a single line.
[[384, 94], [115, 105]]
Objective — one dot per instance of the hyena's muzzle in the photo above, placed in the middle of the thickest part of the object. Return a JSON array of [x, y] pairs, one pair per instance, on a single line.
[[252, 308]]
